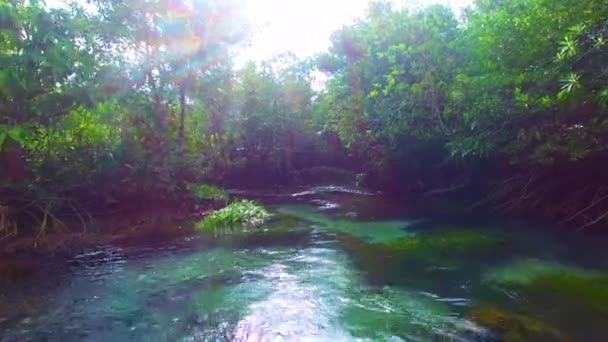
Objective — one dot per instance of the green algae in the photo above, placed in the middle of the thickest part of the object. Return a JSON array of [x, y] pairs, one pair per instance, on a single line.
[[394, 237], [450, 241], [513, 327], [282, 222], [541, 277], [432, 260], [524, 272], [373, 231], [401, 312], [211, 262]]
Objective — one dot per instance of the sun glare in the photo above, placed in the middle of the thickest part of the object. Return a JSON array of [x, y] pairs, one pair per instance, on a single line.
[[304, 27], [298, 26]]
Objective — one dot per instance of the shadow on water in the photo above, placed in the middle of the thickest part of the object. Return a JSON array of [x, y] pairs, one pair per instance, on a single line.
[[334, 264]]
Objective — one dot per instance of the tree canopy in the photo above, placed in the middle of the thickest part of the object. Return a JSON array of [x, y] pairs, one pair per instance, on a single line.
[[506, 101]]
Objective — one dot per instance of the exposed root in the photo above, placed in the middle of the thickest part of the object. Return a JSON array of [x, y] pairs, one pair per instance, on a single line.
[[74, 206], [8, 222], [565, 200], [48, 220], [595, 221], [594, 202]]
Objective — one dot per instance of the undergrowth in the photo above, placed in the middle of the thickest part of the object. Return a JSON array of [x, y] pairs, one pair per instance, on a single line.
[[241, 214], [208, 192]]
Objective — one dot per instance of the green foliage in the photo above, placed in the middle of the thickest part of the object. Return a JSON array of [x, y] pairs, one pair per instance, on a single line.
[[17, 134], [144, 94], [240, 215], [208, 192], [478, 87], [272, 112], [46, 56], [83, 143]]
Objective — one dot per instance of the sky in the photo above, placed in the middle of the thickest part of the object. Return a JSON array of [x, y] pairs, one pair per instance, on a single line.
[[304, 27]]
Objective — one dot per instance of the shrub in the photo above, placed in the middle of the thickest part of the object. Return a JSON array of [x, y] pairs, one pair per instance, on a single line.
[[207, 192], [240, 214]]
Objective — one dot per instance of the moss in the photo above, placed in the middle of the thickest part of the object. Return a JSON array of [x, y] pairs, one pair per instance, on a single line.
[[514, 327], [239, 215]]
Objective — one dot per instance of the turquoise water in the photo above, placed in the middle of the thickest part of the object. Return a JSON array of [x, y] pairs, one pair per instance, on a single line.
[[335, 264]]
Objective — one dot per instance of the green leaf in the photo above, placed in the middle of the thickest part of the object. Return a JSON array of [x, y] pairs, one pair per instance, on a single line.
[[2, 139], [18, 134], [570, 82]]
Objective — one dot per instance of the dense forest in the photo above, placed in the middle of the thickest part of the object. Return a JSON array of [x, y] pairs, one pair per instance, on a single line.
[[110, 104]]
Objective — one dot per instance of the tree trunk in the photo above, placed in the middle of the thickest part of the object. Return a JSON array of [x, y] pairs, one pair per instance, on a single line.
[[182, 117]]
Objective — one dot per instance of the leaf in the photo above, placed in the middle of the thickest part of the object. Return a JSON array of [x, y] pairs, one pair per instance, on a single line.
[[18, 134], [570, 82], [2, 139]]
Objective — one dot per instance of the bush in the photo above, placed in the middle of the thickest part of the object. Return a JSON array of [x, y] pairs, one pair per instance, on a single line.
[[207, 192], [240, 214]]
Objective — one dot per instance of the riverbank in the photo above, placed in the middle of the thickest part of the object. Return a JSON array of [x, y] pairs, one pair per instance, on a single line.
[[149, 223]]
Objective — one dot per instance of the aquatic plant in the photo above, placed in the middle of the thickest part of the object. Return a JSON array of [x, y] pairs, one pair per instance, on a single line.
[[537, 277], [208, 192], [514, 327], [373, 231], [523, 272], [452, 240], [242, 214], [281, 222], [403, 313]]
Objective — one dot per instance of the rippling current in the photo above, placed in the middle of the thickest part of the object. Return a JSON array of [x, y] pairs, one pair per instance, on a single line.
[[317, 272]]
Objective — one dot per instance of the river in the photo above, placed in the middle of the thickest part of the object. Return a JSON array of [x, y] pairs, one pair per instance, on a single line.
[[335, 264]]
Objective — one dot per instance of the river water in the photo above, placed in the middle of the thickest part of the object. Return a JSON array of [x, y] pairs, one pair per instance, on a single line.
[[335, 264]]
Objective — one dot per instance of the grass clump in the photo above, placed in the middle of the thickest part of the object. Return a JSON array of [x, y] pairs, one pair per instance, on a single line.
[[242, 214], [208, 192]]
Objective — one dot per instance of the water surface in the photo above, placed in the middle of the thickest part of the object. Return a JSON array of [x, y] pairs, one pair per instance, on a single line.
[[336, 264]]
